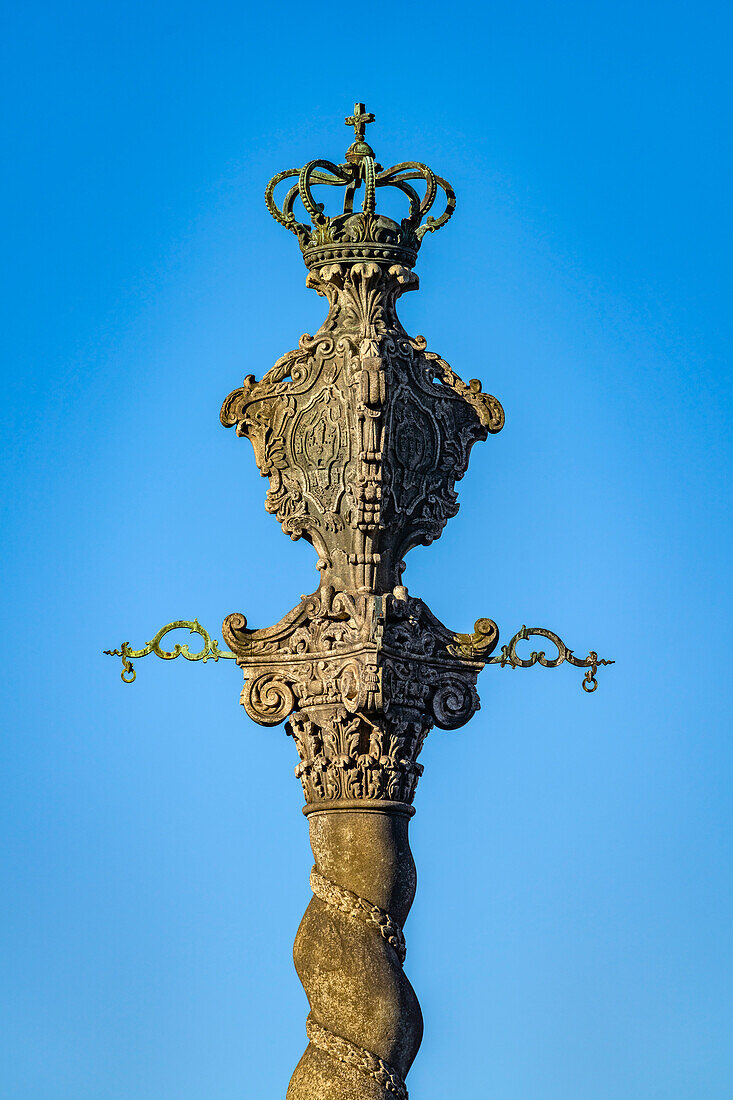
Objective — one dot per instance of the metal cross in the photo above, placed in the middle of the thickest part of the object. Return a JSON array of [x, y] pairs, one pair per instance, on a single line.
[[359, 120]]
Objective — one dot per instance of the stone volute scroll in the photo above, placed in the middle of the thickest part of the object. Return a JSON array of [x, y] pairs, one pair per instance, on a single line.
[[362, 434]]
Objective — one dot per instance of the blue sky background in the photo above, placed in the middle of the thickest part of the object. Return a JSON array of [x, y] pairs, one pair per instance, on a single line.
[[571, 936]]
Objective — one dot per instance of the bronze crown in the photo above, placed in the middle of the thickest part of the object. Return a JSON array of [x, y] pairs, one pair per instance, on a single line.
[[366, 235]]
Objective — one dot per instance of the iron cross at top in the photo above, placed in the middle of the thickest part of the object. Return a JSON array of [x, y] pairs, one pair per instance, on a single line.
[[359, 120]]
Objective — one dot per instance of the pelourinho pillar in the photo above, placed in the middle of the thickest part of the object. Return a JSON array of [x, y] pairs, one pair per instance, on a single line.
[[362, 433]]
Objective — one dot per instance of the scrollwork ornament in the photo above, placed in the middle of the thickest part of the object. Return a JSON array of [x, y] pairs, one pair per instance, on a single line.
[[481, 643], [455, 700], [509, 656], [268, 699], [209, 652]]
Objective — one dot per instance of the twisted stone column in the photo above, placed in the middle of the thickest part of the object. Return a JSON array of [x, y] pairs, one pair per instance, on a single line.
[[365, 1025]]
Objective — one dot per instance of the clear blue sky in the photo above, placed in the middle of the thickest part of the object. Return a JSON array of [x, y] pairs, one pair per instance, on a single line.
[[571, 936]]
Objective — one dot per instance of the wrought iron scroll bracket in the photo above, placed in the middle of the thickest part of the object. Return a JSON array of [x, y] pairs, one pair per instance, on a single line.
[[508, 656], [209, 652], [476, 645]]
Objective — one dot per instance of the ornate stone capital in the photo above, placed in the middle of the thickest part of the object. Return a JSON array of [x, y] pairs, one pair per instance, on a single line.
[[362, 680]]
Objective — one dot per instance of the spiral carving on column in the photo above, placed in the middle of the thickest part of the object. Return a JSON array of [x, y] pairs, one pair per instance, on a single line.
[[365, 1025], [358, 909], [346, 901], [355, 1056]]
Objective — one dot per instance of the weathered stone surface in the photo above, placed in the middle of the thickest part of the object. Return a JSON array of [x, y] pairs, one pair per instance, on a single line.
[[362, 434], [349, 952]]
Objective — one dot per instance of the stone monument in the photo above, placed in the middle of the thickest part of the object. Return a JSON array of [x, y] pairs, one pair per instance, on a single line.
[[362, 433]]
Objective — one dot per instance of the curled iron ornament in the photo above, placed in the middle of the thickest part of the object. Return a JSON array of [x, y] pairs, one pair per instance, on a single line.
[[210, 649], [479, 645], [509, 656]]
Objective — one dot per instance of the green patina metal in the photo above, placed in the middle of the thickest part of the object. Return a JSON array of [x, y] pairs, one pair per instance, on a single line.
[[210, 651], [466, 645]]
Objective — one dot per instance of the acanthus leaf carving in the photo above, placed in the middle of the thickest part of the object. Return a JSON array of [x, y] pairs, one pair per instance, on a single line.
[[361, 680]]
